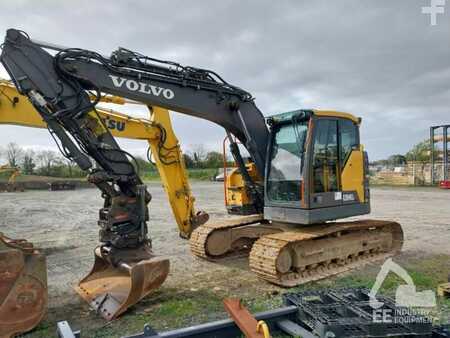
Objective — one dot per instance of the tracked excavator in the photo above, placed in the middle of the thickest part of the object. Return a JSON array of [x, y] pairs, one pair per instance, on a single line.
[[11, 185], [23, 267], [311, 166]]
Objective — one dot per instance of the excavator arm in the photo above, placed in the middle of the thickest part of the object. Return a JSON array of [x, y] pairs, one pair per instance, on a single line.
[[70, 115], [157, 130], [11, 185], [12, 178], [65, 77], [8, 169]]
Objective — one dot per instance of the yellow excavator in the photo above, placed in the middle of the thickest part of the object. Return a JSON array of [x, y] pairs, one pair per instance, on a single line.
[[23, 267], [310, 168], [11, 185]]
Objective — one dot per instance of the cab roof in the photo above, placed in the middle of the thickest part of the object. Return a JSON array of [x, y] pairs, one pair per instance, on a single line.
[[330, 113]]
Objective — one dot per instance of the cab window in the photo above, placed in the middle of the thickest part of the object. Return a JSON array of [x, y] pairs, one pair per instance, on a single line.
[[349, 139], [285, 173], [325, 157]]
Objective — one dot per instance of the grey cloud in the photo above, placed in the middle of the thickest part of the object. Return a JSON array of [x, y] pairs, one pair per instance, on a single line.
[[378, 59]]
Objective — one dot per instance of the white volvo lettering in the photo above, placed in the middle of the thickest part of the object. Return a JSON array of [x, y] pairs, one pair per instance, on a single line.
[[142, 87], [132, 85], [168, 94], [118, 81], [156, 90]]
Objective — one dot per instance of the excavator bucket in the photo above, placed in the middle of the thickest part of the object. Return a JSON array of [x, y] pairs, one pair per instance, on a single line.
[[112, 290], [23, 286]]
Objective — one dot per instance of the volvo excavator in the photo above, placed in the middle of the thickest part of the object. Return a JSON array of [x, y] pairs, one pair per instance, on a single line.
[[311, 169], [23, 267]]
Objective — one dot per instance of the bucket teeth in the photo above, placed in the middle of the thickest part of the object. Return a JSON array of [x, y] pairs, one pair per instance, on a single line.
[[112, 290]]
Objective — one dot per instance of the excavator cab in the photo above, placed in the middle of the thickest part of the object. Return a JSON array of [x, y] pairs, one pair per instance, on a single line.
[[316, 168]]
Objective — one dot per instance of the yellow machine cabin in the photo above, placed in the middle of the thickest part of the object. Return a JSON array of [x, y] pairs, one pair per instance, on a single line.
[[317, 168]]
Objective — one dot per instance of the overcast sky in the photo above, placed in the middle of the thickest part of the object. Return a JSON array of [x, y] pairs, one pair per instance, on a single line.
[[379, 59]]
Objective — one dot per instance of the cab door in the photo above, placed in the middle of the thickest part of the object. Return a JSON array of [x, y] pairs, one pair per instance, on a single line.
[[337, 173], [325, 165]]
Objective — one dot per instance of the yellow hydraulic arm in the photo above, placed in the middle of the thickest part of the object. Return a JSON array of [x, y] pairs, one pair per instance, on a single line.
[[157, 131], [15, 171]]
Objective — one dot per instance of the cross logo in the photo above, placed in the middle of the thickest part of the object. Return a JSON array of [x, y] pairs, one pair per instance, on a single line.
[[436, 7]]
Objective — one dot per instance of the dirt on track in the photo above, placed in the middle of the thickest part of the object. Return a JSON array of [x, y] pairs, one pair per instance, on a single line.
[[63, 224]]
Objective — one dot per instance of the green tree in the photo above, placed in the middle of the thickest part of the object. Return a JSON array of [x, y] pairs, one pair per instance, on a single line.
[[188, 161], [28, 164], [396, 160], [14, 154], [420, 152], [47, 159], [69, 168], [143, 165], [214, 159], [380, 162], [198, 155]]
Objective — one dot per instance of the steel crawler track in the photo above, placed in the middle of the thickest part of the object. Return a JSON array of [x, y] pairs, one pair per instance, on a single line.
[[200, 236], [294, 256]]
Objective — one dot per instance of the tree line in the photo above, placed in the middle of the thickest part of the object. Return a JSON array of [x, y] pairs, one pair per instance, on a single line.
[[52, 163], [42, 163], [421, 152]]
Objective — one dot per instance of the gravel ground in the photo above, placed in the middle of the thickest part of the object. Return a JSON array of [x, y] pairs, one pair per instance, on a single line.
[[63, 223]]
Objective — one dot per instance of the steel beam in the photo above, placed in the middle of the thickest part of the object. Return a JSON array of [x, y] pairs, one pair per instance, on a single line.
[[224, 328], [445, 157], [432, 154], [445, 149]]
